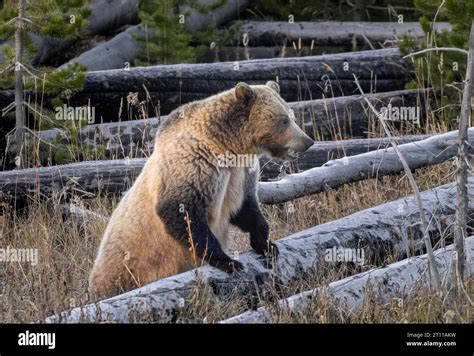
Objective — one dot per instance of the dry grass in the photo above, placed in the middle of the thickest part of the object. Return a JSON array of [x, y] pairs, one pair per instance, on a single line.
[[67, 249], [422, 306]]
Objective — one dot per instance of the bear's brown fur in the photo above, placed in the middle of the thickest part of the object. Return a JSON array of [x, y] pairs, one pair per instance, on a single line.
[[186, 191]]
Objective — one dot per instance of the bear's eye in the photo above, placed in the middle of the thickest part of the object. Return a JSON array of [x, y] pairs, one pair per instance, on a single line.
[[284, 121]]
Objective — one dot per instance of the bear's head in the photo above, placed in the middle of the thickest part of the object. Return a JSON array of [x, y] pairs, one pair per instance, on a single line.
[[271, 122]]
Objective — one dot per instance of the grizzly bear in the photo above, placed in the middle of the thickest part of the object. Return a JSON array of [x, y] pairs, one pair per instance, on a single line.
[[177, 213]]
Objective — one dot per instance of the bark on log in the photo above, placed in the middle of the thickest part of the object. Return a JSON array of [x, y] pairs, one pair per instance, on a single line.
[[391, 228], [227, 54], [396, 280], [98, 177], [304, 78], [330, 33], [322, 118], [123, 47]]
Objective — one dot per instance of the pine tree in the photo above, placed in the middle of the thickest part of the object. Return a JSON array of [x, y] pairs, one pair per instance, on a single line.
[[442, 70], [169, 42], [48, 18]]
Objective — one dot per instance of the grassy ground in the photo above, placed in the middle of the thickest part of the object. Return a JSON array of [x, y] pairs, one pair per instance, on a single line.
[[67, 249]]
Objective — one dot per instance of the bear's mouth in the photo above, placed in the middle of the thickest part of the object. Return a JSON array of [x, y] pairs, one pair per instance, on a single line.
[[285, 154]]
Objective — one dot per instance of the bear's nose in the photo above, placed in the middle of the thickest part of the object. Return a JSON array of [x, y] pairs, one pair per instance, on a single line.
[[308, 142]]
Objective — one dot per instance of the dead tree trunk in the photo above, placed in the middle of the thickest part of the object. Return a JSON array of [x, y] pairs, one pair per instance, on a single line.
[[19, 107], [100, 177], [463, 162], [396, 280], [388, 229]]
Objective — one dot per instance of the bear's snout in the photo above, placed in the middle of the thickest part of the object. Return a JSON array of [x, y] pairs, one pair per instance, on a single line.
[[303, 144], [300, 141]]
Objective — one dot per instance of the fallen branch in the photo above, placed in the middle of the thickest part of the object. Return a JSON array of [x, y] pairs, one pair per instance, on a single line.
[[390, 229], [115, 176], [437, 49], [396, 280]]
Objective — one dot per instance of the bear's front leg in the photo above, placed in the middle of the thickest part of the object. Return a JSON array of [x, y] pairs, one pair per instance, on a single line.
[[206, 245], [250, 219]]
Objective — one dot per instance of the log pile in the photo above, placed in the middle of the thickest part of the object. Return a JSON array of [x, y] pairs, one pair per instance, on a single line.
[[123, 94], [388, 229], [165, 87], [115, 176]]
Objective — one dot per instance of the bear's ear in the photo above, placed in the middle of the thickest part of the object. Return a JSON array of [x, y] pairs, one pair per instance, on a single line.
[[244, 93], [273, 85]]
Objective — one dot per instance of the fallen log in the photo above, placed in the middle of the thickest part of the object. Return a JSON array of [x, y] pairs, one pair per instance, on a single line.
[[390, 229], [344, 116], [123, 48], [333, 174], [90, 178], [107, 15], [197, 21], [304, 78], [396, 280], [330, 33], [322, 152], [112, 54]]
